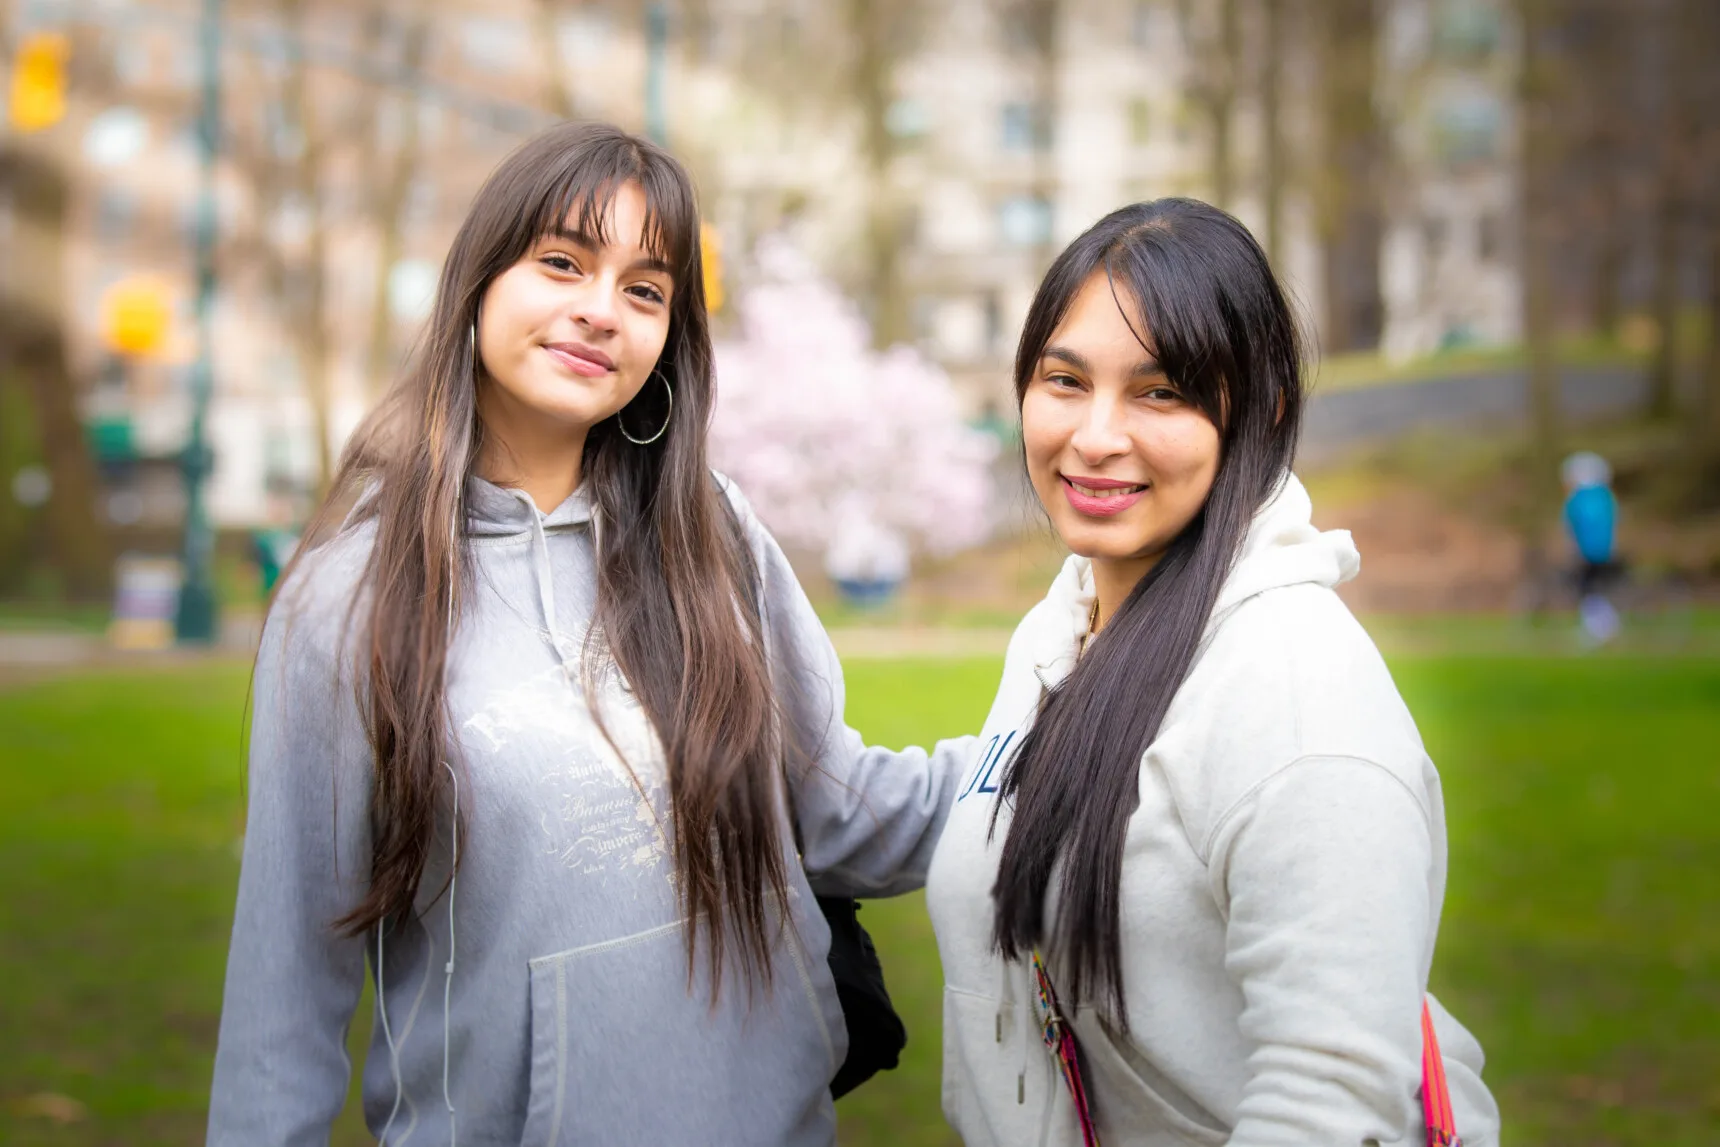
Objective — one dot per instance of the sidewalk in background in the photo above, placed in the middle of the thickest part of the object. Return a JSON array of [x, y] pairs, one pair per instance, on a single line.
[[29, 655]]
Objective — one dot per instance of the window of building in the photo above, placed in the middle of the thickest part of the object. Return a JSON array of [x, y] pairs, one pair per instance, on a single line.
[[583, 34], [923, 317], [116, 212], [1466, 31], [1024, 220], [1026, 126], [430, 120], [1433, 233], [281, 372], [131, 61], [420, 205], [492, 44], [908, 119], [1141, 20], [1489, 237], [1468, 128], [181, 62], [411, 289], [1016, 24], [286, 141]]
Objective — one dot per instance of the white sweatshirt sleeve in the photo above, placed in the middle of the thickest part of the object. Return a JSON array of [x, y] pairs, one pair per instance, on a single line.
[[281, 1067], [1325, 868]]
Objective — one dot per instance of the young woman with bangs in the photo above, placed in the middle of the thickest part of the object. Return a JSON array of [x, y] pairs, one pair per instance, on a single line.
[[1189, 891], [545, 732]]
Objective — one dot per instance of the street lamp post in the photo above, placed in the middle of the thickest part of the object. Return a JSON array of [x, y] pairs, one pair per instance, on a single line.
[[196, 620]]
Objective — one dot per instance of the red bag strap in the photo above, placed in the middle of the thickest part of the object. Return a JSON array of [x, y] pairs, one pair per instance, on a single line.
[[1435, 1094]]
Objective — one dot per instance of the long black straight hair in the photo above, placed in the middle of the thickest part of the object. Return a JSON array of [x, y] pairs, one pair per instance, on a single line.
[[1200, 296]]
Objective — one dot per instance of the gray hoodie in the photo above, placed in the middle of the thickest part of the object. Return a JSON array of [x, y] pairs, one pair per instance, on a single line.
[[542, 998]]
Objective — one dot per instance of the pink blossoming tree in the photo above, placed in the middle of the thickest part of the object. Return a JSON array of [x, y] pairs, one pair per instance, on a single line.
[[860, 456]]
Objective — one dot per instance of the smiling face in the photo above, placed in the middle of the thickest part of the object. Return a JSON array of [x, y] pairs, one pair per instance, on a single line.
[[1120, 461], [571, 332]]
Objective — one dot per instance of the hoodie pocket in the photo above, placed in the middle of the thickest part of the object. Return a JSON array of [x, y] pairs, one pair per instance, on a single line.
[[622, 1053], [1133, 1102]]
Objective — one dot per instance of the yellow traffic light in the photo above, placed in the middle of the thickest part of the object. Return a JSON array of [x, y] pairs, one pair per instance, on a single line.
[[136, 313], [39, 82], [712, 267]]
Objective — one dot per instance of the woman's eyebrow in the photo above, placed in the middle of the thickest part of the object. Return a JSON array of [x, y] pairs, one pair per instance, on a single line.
[[1146, 368], [1074, 358], [594, 243]]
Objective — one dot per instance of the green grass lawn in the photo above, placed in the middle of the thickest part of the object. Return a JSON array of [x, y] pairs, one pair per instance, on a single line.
[[1577, 942]]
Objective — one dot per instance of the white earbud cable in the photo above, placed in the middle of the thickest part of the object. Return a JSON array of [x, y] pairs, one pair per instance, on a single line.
[[454, 865]]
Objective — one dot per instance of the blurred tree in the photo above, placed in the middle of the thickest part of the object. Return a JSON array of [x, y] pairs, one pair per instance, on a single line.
[[1678, 54], [1605, 45], [558, 93], [322, 126], [1212, 39], [1705, 99], [33, 345], [833, 440], [306, 293], [392, 176], [19, 448], [1347, 181], [879, 31], [1538, 86], [1274, 46], [1037, 30]]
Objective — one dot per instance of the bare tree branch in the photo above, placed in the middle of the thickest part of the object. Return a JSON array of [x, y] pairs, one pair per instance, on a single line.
[[1214, 43], [558, 95], [379, 365]]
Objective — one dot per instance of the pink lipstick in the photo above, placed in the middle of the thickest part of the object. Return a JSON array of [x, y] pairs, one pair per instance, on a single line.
[[1101, 497]]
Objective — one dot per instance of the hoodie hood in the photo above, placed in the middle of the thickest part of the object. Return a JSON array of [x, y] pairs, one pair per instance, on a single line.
[[494, 511], [1282, 548]]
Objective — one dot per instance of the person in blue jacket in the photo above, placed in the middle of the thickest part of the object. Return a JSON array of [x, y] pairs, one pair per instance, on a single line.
[[1591, 517]]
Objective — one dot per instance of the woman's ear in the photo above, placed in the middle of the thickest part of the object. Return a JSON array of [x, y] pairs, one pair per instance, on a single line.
[[1277, 421]]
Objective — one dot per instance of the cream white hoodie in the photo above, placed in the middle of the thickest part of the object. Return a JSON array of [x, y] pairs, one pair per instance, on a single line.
[[1281, 889]]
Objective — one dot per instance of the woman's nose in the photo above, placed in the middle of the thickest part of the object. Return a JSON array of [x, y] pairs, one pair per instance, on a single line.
[[1101, 432], [593, 304]]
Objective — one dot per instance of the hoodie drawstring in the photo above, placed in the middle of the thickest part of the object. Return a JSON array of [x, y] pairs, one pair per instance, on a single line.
[[545, 578], [1008, 997]]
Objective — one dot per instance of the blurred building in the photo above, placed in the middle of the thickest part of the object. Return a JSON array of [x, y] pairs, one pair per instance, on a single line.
[[1448, 262], [357, 135]]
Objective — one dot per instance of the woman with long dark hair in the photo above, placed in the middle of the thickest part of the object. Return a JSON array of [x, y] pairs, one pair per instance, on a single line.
[[1189, 892], [546, 733]]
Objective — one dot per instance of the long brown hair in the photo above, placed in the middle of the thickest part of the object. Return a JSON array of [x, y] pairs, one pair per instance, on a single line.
[[677, 602]]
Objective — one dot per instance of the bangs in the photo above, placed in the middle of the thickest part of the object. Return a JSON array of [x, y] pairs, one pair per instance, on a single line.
[[581, 194], [1180, 332]]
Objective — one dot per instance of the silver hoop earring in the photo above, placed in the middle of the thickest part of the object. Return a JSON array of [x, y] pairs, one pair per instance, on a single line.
[[477, 362], [667, 415]]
